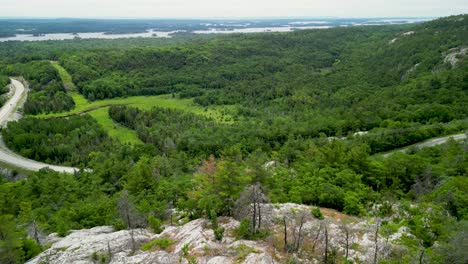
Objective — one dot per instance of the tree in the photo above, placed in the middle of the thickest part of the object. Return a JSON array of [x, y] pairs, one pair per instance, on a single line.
[[252, 204], [376, 240], [9, 241], [348, 233], [293, 227], [129, 215]]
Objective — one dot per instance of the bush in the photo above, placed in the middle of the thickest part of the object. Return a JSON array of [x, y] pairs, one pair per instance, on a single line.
[[100, 257], [352, 205], [317, 213], [161, 243], [243, 231], [30, 248], [155, 224], [219, 232]]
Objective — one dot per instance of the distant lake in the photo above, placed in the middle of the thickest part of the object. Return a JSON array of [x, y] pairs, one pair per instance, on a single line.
[[91, 35], [256, 30], [221, 28]]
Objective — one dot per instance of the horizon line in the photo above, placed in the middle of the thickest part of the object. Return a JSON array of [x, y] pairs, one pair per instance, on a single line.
[[223, 18]]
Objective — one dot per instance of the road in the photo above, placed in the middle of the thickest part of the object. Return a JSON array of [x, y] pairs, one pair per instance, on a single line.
[[430, 143], [8, 156]]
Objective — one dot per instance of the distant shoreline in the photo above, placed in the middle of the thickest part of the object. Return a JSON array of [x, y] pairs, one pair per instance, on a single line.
[[162, 29]]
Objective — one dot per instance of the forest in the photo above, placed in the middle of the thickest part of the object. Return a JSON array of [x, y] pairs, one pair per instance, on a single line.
[[321, 105]]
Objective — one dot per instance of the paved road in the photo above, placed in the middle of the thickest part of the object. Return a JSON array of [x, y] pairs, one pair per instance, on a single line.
[[8, 156], [430, 143]]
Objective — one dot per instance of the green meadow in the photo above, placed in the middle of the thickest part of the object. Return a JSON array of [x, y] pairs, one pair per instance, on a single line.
[[99, 109]]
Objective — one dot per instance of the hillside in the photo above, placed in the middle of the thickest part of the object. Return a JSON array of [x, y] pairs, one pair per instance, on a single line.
[[215, 129]]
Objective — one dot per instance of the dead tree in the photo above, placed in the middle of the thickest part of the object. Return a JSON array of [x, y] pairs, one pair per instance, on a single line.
[[129, 215], [376, 238], [325, 259], [285, 234], [109, 252], [348, 235], [317, 236], [298, 229], [253, 204], [296, 220]]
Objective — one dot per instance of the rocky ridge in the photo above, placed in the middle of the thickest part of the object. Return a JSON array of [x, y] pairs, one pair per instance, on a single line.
[[194, 242]]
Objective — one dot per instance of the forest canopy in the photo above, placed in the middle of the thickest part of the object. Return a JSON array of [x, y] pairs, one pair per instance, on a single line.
[[306, 115]]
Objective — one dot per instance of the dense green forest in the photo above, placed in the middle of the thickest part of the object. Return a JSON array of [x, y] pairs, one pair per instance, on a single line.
[[290, 99]]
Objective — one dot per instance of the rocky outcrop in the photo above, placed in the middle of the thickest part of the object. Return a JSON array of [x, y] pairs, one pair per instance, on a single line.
[[453, 55], [85, 246], [195, 240]]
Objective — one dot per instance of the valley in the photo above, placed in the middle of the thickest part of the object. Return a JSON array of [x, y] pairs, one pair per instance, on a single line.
[[334, 145]]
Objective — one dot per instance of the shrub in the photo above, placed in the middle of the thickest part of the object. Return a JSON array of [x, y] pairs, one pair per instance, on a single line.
[[155, 224], [243, 231], [161, 243], [352, 205], [317, 213], [219, 232]]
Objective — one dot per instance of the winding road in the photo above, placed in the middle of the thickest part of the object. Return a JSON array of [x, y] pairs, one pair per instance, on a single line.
[[429, 143], [20, 92], [9, 157]]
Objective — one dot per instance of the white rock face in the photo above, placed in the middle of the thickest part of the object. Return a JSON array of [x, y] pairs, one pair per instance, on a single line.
[[259, 259], [453, 55], [79, 246]]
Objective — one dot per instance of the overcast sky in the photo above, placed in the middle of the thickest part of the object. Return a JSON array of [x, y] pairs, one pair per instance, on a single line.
[[231, 8]]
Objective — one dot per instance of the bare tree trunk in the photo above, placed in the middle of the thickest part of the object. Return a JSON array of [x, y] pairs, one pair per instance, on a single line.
[[376, 242], [109, 252], [285, 234], [259, 216], [421, 256], [133, 241], [299, 235], [316, 237], [325, 260], [346, 230], [254, 217], [36, 235]]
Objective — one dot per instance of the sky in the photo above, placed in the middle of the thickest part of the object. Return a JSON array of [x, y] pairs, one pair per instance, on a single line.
[[230, 8]]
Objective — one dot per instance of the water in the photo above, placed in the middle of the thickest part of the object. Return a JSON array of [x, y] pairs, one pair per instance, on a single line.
[[256, 30], [213, 28], [91, 35]]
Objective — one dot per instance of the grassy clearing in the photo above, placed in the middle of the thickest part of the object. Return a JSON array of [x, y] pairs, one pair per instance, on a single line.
[[220, 114], [145, 103], [99, 109], [116, 131], [66, 78]]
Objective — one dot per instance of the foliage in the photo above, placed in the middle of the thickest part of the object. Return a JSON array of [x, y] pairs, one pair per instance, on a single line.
[[162, 243], [228, 112], [155, 224], [315, 211], [64, 141]]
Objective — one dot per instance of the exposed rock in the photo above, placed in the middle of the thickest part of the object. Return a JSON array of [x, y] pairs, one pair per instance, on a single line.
[[360, 133], [80, 245], [410, 71], [453, 55], [197, 237], [219, 260], [259, 259]]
